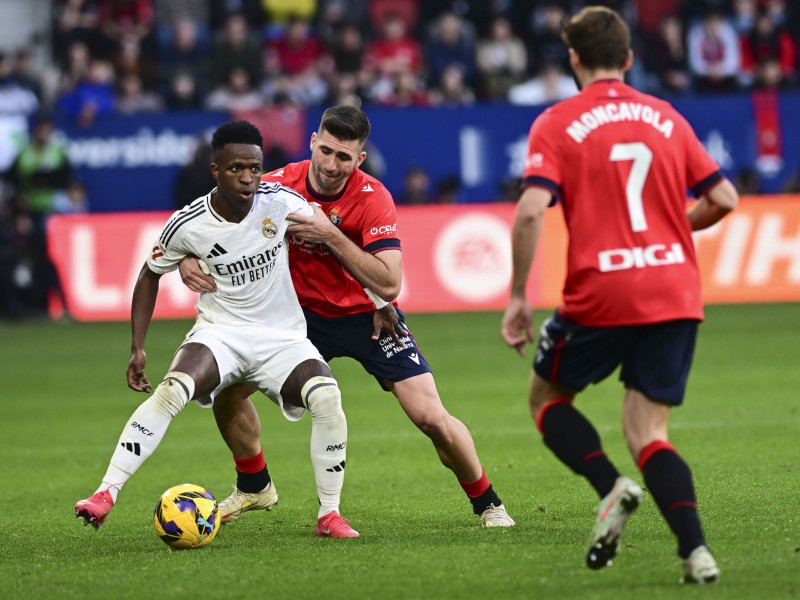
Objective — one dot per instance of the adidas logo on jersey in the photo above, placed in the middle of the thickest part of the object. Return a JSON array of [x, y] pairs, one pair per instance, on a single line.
[[217, 250], [367, 188]]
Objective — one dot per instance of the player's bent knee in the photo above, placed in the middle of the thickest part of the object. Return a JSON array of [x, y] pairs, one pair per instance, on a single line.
[[435, 426], [322, 397], [174, 393]]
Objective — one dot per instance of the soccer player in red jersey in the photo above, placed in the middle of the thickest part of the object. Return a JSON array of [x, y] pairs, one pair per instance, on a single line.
[[345, 260], [620, 162]]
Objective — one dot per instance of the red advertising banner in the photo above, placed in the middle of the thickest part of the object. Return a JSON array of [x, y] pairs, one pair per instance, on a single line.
[[455, 258]]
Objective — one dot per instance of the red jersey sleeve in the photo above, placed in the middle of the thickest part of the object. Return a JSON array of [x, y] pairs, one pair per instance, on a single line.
[[379, 224], [543, 164], [702, 172]]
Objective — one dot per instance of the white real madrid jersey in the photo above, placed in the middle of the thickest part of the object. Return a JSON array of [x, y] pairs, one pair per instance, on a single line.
[[248, 260]]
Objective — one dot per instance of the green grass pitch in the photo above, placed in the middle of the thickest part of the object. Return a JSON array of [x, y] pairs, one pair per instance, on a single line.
[[64, 402]]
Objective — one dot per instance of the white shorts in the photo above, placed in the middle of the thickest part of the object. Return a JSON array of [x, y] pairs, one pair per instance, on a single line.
[[261, 356]]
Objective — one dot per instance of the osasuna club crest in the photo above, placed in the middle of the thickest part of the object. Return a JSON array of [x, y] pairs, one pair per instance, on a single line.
[[334, 216], [269, 229]]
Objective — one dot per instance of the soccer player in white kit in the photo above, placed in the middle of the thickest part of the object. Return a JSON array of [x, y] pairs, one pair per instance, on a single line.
[[251, 330]]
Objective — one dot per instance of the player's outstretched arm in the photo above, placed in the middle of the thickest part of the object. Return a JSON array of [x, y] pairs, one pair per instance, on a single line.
[[195, 277], [713, 205], [517, 324], [142, 306]]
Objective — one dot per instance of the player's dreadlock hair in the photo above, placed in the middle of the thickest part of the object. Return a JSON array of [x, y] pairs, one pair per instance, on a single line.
[[345, 122], [600, 37], [236, 132]]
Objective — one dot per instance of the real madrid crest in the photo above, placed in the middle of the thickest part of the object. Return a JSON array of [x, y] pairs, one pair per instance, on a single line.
[[269, 229], [334, 216]]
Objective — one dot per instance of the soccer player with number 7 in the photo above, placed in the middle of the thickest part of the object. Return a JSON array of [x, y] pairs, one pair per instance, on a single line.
[[620, 163]]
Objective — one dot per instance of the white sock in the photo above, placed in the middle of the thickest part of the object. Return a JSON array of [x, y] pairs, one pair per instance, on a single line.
[[145, 429], [328, 440]]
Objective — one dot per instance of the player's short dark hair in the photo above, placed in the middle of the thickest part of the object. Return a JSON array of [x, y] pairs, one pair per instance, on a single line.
[[599, 36], [236, 132], [345, 122]]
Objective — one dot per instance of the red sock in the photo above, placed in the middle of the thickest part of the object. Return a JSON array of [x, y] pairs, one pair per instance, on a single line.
[[476, 488], [254, 464]]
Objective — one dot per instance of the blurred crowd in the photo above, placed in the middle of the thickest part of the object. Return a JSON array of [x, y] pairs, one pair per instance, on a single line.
[[130, 56], [139, 56]]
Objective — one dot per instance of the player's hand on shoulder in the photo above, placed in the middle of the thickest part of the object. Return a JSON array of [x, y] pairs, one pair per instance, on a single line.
[[137, 380], [195, 277], [316, 228], [386, 319], [517, 325]]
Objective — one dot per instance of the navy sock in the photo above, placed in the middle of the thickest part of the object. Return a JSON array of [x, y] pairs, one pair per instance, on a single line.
[[251, 473], [574, 440], [252, 482], [669, 480], [485, 500]]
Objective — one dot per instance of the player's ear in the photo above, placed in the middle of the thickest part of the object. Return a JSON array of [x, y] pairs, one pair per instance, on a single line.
[[215, 170], [361, 158], [313, 141], [628, 61]]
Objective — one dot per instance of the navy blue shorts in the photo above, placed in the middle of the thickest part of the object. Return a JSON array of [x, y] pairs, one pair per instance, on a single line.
[[655, 358], [351, 336]]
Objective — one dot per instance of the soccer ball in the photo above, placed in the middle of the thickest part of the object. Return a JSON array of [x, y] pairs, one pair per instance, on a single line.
[[186, 516]]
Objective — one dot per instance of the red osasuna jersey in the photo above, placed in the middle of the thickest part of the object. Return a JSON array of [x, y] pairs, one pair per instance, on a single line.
[[621, 163], [364, 211]]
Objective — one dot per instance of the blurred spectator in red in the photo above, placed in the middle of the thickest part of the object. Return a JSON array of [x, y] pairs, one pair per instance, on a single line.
[[406, 10], [550, 86], [650, 14], [451, 43], [769, 42], [132, 98], [502, 60], [238, 95], [236, 46], [714, 53], [392, 53], [452, 89], [295, 64], [92, 97], [119, 19], [666, 58], [409, 90]]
